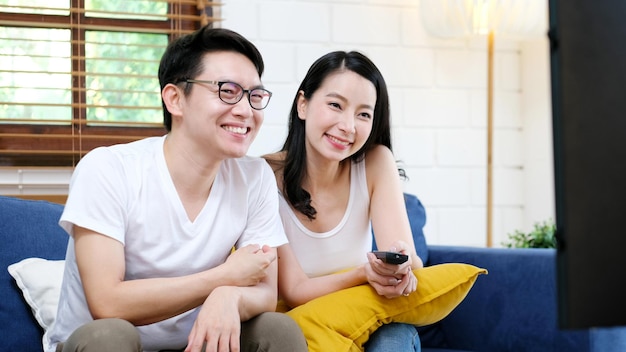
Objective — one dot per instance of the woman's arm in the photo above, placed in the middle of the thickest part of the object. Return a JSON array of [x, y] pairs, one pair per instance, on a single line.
[[296, 288], [390, 221]]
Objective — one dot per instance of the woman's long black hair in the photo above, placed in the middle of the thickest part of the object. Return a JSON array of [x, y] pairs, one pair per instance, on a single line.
[[294, 170]]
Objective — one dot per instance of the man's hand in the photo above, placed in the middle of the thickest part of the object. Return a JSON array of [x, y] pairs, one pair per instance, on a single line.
[[248, 265], [218, 323]]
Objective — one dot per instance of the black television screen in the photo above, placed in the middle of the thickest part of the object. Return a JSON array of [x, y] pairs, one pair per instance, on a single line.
[[588, 82]]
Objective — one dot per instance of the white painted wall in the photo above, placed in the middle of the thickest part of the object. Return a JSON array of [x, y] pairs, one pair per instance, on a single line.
[[438, 102], [538, 149]]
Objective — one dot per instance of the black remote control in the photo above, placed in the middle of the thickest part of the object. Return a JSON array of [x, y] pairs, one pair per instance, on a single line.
[[391, 257]]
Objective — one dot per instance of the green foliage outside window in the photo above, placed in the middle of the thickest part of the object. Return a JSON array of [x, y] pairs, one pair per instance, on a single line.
[[120, 67], [76, 75], [31, 76], [136, 56]]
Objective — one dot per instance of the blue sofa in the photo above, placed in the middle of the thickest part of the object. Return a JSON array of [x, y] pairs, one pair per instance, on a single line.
[[511, 309]]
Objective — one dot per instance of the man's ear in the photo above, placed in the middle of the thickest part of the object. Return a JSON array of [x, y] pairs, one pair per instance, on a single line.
[[172, 98], [301, 105]]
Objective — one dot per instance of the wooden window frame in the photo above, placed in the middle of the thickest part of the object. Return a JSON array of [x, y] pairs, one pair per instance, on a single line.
[[50, 144]]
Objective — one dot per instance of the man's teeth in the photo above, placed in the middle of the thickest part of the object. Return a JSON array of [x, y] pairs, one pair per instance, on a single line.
[[238, 130], [337, 141]]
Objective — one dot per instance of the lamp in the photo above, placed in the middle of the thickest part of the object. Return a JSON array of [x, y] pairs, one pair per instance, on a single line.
[[466, 18]]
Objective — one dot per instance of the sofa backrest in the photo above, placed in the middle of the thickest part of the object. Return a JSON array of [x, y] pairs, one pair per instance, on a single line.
[[28, 228]]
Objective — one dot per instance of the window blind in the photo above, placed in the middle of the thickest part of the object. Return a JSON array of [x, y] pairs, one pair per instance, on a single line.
[[78, 74]]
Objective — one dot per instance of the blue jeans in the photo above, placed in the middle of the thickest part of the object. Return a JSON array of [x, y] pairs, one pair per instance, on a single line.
[[394, 337]]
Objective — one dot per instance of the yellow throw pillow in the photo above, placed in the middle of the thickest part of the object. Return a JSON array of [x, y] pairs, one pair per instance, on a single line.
[[343, 320]]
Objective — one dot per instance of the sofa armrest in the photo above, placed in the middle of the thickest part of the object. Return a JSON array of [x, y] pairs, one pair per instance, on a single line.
[[513, 308]]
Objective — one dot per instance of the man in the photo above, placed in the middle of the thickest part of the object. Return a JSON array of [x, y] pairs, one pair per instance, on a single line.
[[152, 223]]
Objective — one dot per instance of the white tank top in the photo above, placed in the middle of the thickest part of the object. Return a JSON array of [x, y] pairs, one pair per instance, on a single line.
[[342, 247]]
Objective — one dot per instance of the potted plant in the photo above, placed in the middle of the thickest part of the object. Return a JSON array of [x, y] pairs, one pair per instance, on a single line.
[[542, 236]]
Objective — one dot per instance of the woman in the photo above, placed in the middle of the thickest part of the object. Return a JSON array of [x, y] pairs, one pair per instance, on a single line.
[[338, 180]]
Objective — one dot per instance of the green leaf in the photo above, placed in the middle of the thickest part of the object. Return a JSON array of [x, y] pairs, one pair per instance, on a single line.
[[542, 236]]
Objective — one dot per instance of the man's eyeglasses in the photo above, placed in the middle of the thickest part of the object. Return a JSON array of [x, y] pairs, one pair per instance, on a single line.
[[231, 93]]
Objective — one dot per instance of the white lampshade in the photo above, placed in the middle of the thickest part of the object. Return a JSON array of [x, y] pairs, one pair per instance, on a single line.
[[464, 18]]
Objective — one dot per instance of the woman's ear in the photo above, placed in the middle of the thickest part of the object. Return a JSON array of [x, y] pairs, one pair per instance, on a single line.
[[301, 105], [172, 98]]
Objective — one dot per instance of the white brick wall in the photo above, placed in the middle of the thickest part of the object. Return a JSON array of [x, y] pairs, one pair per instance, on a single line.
[[438, 103]]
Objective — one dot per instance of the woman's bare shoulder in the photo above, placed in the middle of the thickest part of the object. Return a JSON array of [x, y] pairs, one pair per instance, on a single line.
[[277, 162], [378, 155], [380, 165]]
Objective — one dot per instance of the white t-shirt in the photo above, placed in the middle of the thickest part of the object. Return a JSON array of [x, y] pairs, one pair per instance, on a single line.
[[126, 192], [342, 247]]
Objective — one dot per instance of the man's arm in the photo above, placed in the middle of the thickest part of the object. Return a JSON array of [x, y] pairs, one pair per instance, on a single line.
[[219, 322], [262, 297], [101, 265]]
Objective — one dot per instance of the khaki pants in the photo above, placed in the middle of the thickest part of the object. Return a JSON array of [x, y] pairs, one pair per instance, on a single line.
[[268, 332]]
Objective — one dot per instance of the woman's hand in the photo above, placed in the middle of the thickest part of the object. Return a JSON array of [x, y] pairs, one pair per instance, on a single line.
[[390, 280]]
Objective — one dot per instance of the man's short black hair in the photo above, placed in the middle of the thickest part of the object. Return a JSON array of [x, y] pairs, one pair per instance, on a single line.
[[182, 59]]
